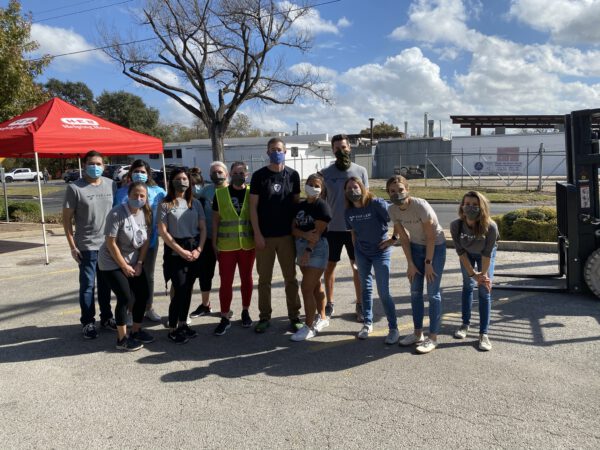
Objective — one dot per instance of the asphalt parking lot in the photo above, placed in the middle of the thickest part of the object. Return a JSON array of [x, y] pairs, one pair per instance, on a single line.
[[537, 388]]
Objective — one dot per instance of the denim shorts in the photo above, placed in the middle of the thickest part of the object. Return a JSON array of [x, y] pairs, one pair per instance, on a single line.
[[318, 257]]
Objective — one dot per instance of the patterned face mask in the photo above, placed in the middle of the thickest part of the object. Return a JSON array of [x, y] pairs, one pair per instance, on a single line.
[[472, 212]]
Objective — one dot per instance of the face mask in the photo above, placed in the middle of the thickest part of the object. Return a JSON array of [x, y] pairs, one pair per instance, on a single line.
[[197, 190], [312, 191], [139, 177], [136, 203], [471, 212], [354, 196], [181, 185], [238, 180], [277, 158], [399, 198], [94, 171], [342, 160], [217, 179]]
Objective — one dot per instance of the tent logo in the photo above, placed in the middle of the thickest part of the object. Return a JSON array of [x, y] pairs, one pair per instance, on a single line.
[[22, 123], [79, 121]]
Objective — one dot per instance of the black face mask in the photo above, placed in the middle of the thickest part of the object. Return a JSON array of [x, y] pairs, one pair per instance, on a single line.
[[238, 180], [342, 160]]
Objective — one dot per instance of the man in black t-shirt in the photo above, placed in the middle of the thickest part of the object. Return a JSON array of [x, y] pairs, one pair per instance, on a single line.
[[274, 191]]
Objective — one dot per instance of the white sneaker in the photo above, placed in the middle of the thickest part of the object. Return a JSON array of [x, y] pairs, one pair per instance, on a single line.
[[412, 339], [365, 331], [129, 321], [320, 324], [303, 334], [392, 337], [427, 346], [153, 315], [461, 333], [484, 343]]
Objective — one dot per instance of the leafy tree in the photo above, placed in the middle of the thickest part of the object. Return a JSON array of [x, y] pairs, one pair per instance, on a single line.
[[380, 129], [212, 56], [128, 110], [18, 90], [76, 93], [241, 126]]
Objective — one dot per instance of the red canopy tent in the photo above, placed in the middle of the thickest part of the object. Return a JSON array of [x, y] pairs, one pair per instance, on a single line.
[[57, 129]]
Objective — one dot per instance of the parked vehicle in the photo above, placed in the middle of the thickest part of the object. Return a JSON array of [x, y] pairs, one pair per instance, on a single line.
[[22, 174], [410, 173], [71, 175], [110, 169]]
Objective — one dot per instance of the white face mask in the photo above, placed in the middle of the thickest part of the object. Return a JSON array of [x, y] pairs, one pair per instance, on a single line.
[[312, 191]]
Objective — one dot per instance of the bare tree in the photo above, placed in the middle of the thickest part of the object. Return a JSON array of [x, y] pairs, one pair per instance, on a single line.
[[211, 56]]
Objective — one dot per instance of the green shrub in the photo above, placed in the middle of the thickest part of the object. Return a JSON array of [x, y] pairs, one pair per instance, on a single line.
[[533, 224], [21, 211]]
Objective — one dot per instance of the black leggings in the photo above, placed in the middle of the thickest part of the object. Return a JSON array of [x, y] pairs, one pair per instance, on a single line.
[[129, 291], [207, 263], [183, 275]]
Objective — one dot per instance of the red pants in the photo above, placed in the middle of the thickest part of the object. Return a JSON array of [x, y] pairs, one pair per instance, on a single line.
[[244, 259]]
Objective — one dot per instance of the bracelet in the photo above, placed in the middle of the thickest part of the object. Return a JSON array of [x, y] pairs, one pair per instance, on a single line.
[[141, 263]]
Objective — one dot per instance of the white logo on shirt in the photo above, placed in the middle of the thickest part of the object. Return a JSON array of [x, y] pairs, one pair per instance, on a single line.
[[277, 187]]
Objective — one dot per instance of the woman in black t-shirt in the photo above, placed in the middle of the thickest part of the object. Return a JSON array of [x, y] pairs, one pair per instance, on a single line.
[[312, 252]]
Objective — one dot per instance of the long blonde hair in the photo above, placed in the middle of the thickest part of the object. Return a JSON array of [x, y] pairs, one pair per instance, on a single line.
[[484, 220]]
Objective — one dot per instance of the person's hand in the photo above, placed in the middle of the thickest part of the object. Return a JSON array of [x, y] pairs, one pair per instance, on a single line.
[[196, 254], [259, 242], [386, 243], [304, 259], [411, 271], [76, 255], [483, 279], [138, 270], [429, 273], [128, 271], [311, 236], [185, 254]]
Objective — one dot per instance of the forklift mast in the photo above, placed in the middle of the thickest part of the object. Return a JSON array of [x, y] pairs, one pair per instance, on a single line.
[[578, 203]]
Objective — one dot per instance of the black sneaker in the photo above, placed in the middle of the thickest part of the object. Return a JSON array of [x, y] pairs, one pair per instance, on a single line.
[[246, 320], [201, 311], [329, 309], [187, 331], [177, 337], [109, 324], [262, 326], [295, 325], [129, 344], [222, 327], [89, 331], [143, 336]]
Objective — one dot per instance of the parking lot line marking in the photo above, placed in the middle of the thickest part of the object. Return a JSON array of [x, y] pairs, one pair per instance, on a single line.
[[36, 275]]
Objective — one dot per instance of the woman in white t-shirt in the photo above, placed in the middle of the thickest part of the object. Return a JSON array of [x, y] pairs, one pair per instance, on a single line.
[[422, 239], [121, 263]]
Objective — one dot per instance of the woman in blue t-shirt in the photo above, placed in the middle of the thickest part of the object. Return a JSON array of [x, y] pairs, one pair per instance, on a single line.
[[312, 252], [367, 218]]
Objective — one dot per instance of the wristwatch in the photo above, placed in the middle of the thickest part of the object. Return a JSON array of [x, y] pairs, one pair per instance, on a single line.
[[427, 261]]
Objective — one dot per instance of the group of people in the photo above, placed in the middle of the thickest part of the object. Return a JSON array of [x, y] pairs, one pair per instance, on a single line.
[[237, 224]]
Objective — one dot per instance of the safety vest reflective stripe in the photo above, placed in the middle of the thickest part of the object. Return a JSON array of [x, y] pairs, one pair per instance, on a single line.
[[232, 223], [234, 235]]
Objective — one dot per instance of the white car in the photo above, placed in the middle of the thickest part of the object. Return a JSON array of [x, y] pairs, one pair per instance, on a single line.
[[22, 174]]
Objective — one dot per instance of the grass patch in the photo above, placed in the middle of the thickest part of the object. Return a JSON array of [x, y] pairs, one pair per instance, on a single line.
[[26, 211], [31, 190]]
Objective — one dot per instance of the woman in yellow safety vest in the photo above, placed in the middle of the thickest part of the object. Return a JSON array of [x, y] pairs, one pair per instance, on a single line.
[[233, 240]]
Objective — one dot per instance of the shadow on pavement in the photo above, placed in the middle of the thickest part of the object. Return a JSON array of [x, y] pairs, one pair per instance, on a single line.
[[12, 246]]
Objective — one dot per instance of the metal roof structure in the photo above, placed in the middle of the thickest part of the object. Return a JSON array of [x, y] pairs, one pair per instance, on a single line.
[[476, 123]]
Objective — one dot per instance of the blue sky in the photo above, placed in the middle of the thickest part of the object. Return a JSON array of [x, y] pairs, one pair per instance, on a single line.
[[388, 59]]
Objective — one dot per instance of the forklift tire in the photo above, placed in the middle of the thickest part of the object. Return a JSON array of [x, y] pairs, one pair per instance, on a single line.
[[591, 272]]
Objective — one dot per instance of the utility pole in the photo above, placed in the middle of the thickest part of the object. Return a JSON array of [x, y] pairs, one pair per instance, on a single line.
[[371, 119]]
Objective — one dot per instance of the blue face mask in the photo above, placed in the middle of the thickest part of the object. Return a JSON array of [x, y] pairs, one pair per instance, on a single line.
[[136, 203], [277, 158], [139, 177], [197, 190], [94, 171]]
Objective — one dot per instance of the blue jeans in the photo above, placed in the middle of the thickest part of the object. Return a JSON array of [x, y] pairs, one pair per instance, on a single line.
[[88, 273], [485, 297], [433, 288], [381, 263]]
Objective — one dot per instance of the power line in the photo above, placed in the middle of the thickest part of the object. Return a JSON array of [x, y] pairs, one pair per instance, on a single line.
[[146, 39], [64, 7], [81, 12]]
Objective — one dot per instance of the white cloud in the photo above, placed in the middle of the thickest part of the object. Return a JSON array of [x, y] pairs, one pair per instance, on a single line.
[[56, 40], [166, 75], [343, 23], [567, 21], [312, 23]]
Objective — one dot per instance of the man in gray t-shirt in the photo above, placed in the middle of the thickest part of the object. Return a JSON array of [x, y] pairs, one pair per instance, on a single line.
[[87, 203], [338, 235]]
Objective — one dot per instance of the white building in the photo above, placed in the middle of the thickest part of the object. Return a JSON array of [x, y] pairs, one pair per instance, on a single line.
[[509, 154], [305, 153]]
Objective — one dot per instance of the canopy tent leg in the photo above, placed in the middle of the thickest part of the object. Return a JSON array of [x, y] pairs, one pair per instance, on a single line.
[[79, 162], [162, 157], [39, 183]]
